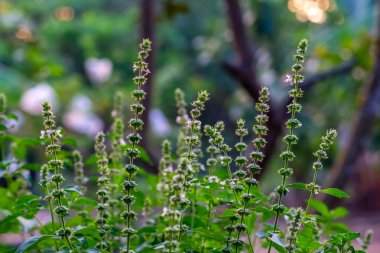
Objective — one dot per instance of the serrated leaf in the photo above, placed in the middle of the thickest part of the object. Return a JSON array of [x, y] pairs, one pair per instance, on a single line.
[[335, 192], [33, 242]]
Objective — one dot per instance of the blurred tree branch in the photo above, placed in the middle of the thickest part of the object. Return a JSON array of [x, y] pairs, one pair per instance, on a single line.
[[147, 16], [244, 72], [346, 164]]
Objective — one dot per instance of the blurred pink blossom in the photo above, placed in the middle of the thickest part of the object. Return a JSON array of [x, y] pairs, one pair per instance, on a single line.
[[98, 70], [32, 98], [80, 117]]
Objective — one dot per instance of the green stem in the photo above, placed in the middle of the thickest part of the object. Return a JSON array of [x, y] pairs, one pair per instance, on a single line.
[[207, 224], [195, 201], [193, 211], [2, 147], [288, 148], [312, 191], [59, 197]]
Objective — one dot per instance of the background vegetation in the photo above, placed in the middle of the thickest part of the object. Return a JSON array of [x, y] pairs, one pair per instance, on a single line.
[[79, 53]]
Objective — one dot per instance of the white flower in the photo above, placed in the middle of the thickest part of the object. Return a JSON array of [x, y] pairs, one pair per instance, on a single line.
[[213, 179], [48, 133], [289, 79], [122, 141], [45, 133], [98, 70], [169, 169], [32, 98], [58, 133]]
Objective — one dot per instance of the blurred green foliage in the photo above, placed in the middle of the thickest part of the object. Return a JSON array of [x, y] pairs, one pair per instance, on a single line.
[[193, 39]]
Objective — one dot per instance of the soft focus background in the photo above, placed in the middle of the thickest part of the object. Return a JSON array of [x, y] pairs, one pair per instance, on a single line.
[[77, 54]]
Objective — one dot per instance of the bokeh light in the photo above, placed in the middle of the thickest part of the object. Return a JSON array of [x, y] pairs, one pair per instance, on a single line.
[[64, 13], [311, 10], [23, 33]]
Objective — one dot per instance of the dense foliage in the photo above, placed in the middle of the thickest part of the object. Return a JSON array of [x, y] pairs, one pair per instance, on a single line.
[[206, 197]]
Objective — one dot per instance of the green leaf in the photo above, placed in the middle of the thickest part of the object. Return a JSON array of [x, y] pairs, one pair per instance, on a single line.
[[277, 242], [70, 142], [33, 242], [147, 230], [320, 207], [214, 235], [335, 192], [12, 116], [276, 239], [73, 188], [300, 186], [339, 212], [86, 201], [91, 160], [83, 230], [3, 128]]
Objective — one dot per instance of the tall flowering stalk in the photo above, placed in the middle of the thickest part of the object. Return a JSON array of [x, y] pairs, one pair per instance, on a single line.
[[165, 172], [103, 192], [237, 187], [257, 156], [117, 129], [185, 171], [293, 228], [80, 180], [293, 123], [193, 149], [321, 155], [52, 138], [44, 183], [177, 204], [3, 108], [182, 120], [215, 141], [136, 124], [117, 138]]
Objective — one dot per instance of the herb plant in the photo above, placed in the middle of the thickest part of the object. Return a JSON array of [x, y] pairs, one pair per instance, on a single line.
[[205, 198]]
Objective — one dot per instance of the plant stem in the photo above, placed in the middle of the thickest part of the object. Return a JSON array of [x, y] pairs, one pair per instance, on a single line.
[[286, 162], [59, 197], [312, 192]]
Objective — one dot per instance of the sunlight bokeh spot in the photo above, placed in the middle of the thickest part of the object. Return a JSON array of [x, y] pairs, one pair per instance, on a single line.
[[311, 10], [65, 13]]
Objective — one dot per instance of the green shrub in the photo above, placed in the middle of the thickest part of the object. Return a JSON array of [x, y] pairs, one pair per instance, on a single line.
[[204, 198]]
